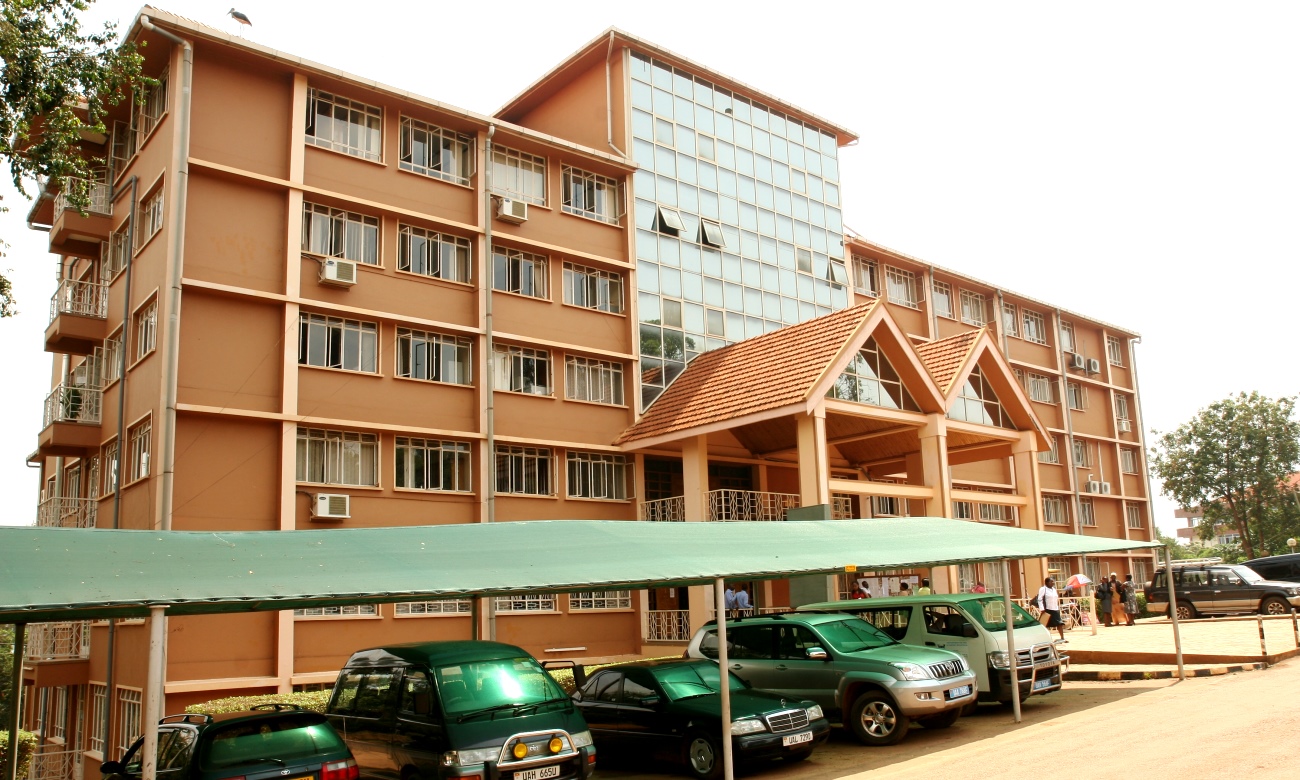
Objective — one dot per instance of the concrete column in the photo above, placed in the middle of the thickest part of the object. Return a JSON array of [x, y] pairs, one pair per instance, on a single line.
[[695, 483], [932, 461], [814, 471], [1024, 464]]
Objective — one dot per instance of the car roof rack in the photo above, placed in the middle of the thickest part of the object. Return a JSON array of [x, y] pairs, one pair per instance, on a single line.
[[196, 718], [1196, 562]]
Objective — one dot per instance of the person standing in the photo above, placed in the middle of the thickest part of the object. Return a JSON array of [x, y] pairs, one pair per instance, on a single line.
[[924, 590], [1118, 614], [979, 587], [729, 598], [904, 589], [1050, 602], [863, 591], [1104, 594], [1130, 600], [743, 606]]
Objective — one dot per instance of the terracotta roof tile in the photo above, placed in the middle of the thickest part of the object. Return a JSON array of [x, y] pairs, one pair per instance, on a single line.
[[944, 358], [766, 372]]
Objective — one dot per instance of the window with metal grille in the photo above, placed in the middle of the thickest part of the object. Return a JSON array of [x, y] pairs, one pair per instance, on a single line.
[[973, 311], [1133, 515], [146, 113], [519, 175], [344, 125], [1121, 407], [1054, 512], [1086, 516], [597, 381], [1081, 454], [115, 252], [1128, 461], [530, 602], [98, 703], [598, 475], [439, 607], [963, 510], [129, 710], [146, 329], [1067, 337], [1010, 322], [1053, 455], [593, 288], [347, 610], [1040, 388], [151, 217], [332, 342], [433, 254], [140, 437], [1076, 395], [524, 471], [523, 370], [1114, 351], [331, 232], [941, 294], [592, 196], [1035, 328], [519, 272], [865, 275], [433, 151], [434, 357], [600, 599], [425, 464], [110, 466], [327, 457]]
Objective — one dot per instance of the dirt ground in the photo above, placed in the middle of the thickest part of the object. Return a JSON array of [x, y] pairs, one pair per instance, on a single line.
[[1243, 725]]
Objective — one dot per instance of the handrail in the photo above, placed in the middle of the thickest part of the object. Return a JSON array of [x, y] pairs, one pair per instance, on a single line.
[[82, 298], [73, 403]]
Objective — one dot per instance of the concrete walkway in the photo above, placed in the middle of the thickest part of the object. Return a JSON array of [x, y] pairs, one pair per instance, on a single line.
[[1214, 641]]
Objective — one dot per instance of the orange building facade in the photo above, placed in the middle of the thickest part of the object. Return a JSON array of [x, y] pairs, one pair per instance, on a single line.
[[302, 299]]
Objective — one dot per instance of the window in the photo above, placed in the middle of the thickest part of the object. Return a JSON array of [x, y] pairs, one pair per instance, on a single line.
[[592, 288], [424, 464], [347, 610], [593, 380], [531, 602], [110, 466], [115, 252], [337, 233], [331, 342], [519, 272], [597, 475], [592, 195], [1067, 337], [109, 359], [337, 458], [523, 370], [140, 437], [98, 703], [835, 273], [344, 125], [59, 713], [963, 510], [972, 308], [942, 295], [1010, 322], [519, 175], [92, 477], [1040, 388], [995, 513], [1086, 517], [524, 471], [151, 217], [437, 255], [870, 379], [1127, 461], [1053, 455], [1035, 327], [978, 403], [145, 115], [146, 329], [1054, 511], [1133, 518], [1121, 407], [670, 222], [440, 607], [803, 262], [902, 287], [1081, 455], [1114, 352], [884, 506], [128, 718], [711, 234], [600, 599], [434, 357], [432, 151], [1141, 575], [1076, 395], [865, 279]]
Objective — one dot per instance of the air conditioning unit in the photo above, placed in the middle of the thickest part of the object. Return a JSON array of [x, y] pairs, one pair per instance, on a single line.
[[1105, 488], [331, 506], [1076, 361], [337, 272], [1092, 486], [512, 211], [1125, 426], [1094, 366]]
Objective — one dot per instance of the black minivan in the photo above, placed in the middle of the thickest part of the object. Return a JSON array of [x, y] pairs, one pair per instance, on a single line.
[[468, 710], [1277, 567]]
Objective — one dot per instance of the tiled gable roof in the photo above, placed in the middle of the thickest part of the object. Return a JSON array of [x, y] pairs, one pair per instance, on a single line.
[[944, 358], [766, 372]]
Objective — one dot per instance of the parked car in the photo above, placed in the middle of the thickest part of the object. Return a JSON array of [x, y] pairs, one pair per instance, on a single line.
[[439, 710], [672, 710], [1285, 568], [1205, 588], [974, 626], [859, 675], [271, 741]]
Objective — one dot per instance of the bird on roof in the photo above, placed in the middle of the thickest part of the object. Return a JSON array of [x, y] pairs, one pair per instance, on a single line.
[[239, 17]]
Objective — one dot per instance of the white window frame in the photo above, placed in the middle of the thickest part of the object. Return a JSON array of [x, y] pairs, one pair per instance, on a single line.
[[450, 463], [901, 285], [312, 328], [973, 308], [1067, 337], [1133, 518], [518, 175], [1040, 388], [521, 273], [441, 256], [600, 476], [963, 510], [438, 141], [1080, 453], [1121, 407], [331, 232], [711, 233], [112, 467], [1087, 514], [1010, 319], [942, 292], [368, 143], [1076, 396], [342, 611], [526, 603], [866, 275], [332, 454], [591, 195], [439, 607], [434, 357], [130, 712], [1055, 511], [140, 443], [1114, 351], [116, 252], [98, 700], [1128, 460], [1054, 454], [593, 288], [151, 217], [600, 600], [594, 381], [511, 364], [524, 471], [1035, 327], [146, 114], [58, 726], [145, 325]]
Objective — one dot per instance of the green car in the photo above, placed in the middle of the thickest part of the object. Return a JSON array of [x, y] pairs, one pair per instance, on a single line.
[[277, 741], [672, 710]]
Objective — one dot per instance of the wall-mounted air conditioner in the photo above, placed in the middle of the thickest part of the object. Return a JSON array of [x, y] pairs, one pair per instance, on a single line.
[[338, 272], [331, 506], [512, 211], [1092, 486], [1077, 361], [1094, 366], [1105, 488]]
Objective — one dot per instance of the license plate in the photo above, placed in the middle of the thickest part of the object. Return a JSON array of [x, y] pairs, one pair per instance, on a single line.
[[957, 693], [1045, 682], [540, 773], [797, 739]]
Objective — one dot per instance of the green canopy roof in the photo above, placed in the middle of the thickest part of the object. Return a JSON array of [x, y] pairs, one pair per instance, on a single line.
[[52, 574]]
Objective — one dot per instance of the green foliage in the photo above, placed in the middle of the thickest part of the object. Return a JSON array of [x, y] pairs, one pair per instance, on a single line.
[[1233, 460], [6, 669], [26, 747], [308, 700], [1230, 553]]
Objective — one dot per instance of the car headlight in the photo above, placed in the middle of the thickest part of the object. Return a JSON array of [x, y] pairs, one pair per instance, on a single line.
[[747, 726], [998, 659], [912, 671], [814, 712], [1293, 591], [580, 740], [470, 757]]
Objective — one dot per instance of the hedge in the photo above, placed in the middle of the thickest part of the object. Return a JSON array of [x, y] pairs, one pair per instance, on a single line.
[[308, 700], [26, 747]]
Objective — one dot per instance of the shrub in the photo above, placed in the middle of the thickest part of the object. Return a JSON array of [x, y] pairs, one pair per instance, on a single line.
[[308, 700], [26, 747]]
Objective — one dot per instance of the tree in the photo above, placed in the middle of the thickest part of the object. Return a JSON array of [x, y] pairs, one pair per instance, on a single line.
[[56, 86], [1234, 460]]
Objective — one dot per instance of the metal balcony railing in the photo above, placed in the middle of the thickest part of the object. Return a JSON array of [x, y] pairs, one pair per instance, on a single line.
[[84, 299], [73, 403], [98, 194], [67, 512], [748, 505], [49, 764], [58, 641], [663, 509], [668, 625]]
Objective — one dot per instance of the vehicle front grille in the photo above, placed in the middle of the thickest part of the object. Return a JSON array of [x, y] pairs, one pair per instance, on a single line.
[[788, 720], [1035, 656], [946, 669]]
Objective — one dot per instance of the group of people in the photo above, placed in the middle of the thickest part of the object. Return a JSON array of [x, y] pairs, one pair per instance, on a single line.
[[1116, 602], [863, 589], [737, 600]]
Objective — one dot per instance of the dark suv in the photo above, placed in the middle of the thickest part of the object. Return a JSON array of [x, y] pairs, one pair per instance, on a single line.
[[270, 741], [1221, 589], [1277, 567]]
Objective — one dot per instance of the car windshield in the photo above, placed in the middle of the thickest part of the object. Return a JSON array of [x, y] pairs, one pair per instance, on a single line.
[[1248, 574], [687, 680], [273, 739], [851, 635], [479, 686], [991, 613]]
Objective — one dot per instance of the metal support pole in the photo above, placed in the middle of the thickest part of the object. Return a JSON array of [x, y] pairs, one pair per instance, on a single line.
[[1263, 649], [724, 676], [1173, 612], [15, 700], [153, 694], [475, 618], [1295, 628], [1012, 660]]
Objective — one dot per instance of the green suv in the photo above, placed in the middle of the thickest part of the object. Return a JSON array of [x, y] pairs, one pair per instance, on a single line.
[[857, 673]]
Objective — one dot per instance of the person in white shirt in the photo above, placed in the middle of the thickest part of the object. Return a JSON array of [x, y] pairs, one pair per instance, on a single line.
[[742, 602], [1050, 602]]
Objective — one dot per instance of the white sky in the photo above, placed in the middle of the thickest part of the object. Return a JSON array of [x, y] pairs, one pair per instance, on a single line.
[[1122, 160]]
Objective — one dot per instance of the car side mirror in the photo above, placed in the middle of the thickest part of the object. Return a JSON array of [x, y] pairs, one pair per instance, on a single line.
[[968, 631], [818, 654], [111, 768], [650, 701]]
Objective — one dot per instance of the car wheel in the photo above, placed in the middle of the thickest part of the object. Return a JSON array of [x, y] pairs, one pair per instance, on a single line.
[[1185, 611], [703, 757], [1275, 606], [942, 721], [876, 720]]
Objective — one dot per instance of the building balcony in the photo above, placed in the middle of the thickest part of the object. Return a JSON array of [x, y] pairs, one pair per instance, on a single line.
[[78, 318], [723, 506], [58, 641], [67, 512], [53, 763], [73, 232], [70, 426], [667, 625]]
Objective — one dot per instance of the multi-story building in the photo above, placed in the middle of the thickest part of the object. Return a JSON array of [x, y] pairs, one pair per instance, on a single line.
[[299, 298]]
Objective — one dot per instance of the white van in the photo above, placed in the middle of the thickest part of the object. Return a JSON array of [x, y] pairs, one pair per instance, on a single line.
[[972, 625]]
